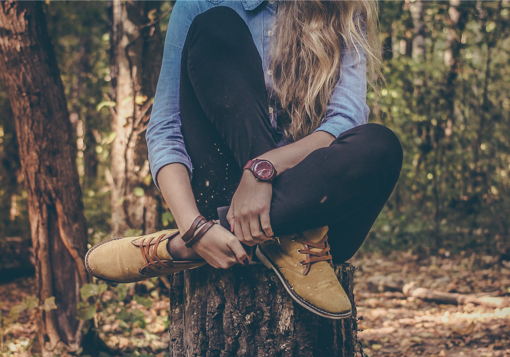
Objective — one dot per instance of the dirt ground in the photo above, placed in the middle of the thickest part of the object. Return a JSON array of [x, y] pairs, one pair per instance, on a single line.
[[393, 324]]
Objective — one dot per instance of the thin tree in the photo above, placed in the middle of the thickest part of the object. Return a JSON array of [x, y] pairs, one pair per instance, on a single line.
[[416, 9], [32, 79], [136, 51]]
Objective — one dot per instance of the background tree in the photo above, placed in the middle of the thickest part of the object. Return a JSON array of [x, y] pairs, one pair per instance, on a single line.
[[136, 53], [32, 80]]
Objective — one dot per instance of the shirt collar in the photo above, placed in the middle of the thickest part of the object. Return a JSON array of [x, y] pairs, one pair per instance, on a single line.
[[251, 4]]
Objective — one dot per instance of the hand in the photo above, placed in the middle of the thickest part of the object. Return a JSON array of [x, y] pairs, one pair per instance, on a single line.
[[220, 248], [249, 210]]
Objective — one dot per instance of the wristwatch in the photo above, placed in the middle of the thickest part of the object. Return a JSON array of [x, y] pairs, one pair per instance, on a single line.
[[263, 170]]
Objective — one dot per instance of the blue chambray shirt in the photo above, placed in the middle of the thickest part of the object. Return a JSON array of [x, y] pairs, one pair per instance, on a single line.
[[346, 109]]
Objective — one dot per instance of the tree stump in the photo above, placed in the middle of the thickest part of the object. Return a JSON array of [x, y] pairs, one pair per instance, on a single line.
[[245, 311]]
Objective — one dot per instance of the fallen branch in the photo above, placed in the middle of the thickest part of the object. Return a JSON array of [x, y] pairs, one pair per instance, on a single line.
[[439, 297]]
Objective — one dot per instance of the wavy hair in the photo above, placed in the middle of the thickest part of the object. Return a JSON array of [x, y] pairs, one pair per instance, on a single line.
[[306, 55]]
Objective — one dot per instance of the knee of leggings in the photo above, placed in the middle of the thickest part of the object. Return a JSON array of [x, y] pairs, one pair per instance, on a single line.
[[220, 23], [384, 143]]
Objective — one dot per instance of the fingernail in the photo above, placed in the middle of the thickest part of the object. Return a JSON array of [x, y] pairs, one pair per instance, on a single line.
[[231, 230]]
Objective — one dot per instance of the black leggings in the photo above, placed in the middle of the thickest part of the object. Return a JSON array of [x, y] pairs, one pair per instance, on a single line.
[[225, 123]]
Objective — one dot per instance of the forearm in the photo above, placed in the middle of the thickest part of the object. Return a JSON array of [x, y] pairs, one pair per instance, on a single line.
[[175, 186], [288, 156]]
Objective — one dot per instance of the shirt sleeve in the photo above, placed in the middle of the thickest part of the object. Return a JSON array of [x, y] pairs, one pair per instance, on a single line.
[[347, 106], [165, 142]]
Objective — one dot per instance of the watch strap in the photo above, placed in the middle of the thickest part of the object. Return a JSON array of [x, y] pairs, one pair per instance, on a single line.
[[248, 165]]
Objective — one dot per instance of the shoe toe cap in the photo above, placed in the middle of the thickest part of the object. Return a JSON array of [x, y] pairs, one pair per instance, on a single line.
[[322, 291], [109, 261]]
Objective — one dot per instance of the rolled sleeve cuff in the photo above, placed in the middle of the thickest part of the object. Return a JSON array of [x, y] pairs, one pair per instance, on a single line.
[[346, 110], [166, 157], [337, 128]]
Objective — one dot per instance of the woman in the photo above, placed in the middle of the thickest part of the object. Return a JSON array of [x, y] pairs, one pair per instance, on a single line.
[[261, 107]]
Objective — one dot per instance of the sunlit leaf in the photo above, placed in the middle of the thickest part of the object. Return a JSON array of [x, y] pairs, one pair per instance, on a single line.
[[86, 311], [49, 304], [111, 137], [138, 191], [105, 104], [143, 301]]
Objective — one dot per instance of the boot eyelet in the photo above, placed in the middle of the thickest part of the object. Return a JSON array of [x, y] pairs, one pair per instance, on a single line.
[[299, 251], [301, 262]]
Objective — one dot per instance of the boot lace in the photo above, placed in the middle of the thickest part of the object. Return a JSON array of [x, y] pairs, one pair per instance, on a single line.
[[149, 254], [313, 256]]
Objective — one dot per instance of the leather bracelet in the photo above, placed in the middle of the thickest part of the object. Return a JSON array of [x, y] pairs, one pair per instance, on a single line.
[[192, 236], [203, 230], [186, 237]]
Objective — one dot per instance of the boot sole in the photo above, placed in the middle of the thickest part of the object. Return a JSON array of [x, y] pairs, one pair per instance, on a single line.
[[124, 282], [269, 264]]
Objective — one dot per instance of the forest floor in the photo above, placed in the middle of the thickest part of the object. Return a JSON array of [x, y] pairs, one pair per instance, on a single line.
[[393, 324], [396, 325]]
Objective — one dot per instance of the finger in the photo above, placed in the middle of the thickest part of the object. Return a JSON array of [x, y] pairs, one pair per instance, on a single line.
[[230, 217], [238, 232], [245, 226], [266, 224], [256, 232], [237, 248], [227, 264]]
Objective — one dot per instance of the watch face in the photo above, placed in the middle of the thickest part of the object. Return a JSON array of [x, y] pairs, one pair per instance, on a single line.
[[263, 170]]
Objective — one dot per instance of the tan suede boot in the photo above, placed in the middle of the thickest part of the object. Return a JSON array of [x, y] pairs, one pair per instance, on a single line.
[[130, 259], [303, 264]]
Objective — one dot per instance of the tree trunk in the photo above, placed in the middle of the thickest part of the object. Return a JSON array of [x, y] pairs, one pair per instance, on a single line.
[[416, 9], [31, 77], [245, 311], [136, 52], [458, 16]]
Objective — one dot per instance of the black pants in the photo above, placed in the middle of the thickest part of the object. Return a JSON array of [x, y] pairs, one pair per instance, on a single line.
[[225, 123]]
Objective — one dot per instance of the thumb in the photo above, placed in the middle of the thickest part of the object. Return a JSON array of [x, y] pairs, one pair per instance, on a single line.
[[230, 217], [237, 248]]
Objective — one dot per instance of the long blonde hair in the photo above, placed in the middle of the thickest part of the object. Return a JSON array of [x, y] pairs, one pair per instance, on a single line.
[[306, 55]]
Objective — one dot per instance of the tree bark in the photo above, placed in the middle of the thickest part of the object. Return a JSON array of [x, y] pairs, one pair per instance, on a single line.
[[31, 77], [136, 52], [245, 311]]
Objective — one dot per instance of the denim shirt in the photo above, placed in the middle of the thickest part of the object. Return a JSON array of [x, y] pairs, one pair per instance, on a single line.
[[346, 108]]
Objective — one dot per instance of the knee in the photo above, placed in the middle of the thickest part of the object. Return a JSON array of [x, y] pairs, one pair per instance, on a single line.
[[220, 23], [384, 144]]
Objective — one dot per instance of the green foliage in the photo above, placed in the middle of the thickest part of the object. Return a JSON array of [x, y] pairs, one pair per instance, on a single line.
[[29, 303], [128, 307], [143, 301], [49, 304], [167, 218], [89, 290], [453, 123]]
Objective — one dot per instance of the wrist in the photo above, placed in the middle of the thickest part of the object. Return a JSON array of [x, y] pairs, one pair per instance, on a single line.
[[185, 220], [249, 176]]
